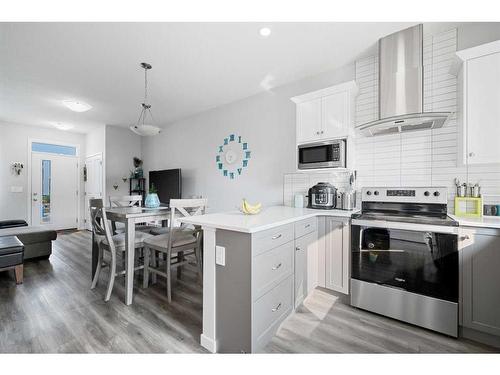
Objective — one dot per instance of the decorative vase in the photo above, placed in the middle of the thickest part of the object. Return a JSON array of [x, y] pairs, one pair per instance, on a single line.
[[152, 201], [138, 172]]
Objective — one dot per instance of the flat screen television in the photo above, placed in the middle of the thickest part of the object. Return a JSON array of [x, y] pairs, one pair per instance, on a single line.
[[168, 182]]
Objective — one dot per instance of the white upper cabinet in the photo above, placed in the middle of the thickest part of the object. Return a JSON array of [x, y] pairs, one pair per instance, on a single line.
[[480, 81], [309, 113], [326, 114]]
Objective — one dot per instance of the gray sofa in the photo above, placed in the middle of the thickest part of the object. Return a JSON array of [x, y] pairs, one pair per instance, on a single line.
[[37, 240]]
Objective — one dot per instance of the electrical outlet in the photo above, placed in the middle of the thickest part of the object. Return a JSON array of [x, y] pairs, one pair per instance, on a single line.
[[220, 255]]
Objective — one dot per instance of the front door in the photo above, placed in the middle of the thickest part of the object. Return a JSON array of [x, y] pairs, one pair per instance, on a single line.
[[93, 183], [54, 191]]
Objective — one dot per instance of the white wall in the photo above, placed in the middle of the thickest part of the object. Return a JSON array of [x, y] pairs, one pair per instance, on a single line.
[[14, 148], [266, 121], [121, 146]]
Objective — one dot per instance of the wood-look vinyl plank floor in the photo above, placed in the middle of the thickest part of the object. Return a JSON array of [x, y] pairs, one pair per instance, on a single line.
[[54, 311]]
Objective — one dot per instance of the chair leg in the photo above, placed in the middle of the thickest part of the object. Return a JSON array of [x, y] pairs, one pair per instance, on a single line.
[[112, 276], [154, 264], [180, 258], [19, 270], [169, 277], [98, 269], [145, 277]]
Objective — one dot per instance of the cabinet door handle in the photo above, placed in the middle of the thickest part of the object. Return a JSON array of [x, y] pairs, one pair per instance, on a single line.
[[276, 237], [276, 308], [466, 237], [471, 154], [307, 226], [276, 267], [297, 248]]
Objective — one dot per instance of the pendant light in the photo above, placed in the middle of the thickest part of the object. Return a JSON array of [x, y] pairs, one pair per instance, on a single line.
[[145, 127]]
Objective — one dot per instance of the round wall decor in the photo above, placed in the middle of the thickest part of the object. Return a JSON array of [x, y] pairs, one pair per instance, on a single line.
[[232, 156]]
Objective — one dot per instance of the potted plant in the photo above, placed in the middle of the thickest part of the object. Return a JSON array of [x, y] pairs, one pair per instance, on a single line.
[[152, 200], [138, 172]]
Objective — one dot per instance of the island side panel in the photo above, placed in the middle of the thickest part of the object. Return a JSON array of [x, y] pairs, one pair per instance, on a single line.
[[234, 293]]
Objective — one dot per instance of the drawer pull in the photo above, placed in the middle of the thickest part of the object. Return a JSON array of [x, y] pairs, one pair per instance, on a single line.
[[276, 308], [276, 267], [307, 226], [276, 237], [466, 237]]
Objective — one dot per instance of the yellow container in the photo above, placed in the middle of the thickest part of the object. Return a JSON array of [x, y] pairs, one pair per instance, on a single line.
[[468, 207]]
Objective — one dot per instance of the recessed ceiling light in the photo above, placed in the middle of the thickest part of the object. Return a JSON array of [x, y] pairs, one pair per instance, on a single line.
[[77, 106], [265, 32], [62, 126]]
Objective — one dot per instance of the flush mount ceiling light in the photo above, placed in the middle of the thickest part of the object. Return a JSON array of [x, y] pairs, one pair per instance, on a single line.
[[142, 127], [265, 32], [76, 106], [62, 126]]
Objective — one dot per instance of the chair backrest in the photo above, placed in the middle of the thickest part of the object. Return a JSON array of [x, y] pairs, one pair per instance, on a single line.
[[187, 207], [125, 200], [100, 224]]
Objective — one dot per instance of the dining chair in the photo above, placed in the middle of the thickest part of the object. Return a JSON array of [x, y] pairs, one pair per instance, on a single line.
[[176, 245], [126, 201], [113, 244]]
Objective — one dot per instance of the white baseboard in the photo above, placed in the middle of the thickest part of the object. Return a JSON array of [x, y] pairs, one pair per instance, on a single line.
[[208, 343]]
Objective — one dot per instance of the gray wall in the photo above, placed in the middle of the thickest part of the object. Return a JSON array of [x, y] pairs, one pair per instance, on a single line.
[[121, 146], [266, 121], [14, 148]]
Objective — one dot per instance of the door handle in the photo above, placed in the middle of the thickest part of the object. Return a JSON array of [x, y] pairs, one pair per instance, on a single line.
[[34, 199]]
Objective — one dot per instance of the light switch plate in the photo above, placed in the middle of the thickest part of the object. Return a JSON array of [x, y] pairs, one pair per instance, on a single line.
[[220, 255]]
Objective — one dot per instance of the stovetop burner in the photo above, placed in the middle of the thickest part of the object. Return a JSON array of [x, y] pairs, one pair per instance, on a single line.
[[407, 218], [421, 205]]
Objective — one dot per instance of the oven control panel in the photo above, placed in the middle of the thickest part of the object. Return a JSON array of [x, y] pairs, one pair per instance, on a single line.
[[405, 194]]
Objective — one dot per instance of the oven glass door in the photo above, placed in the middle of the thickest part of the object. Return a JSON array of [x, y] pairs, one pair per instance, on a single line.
[[419, 262]]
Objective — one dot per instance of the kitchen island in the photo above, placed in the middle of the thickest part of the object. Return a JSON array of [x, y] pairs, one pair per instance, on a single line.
[[258, 268]]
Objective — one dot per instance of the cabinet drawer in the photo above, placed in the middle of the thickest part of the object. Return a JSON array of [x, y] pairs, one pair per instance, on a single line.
[[268, 311], [305, 227], [271, 238], [271, 267]]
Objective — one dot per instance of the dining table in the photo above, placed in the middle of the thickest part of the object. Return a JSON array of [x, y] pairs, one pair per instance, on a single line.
[[130, 216]]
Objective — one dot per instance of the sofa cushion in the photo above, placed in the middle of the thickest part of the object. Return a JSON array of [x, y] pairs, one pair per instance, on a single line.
[[30, 235]]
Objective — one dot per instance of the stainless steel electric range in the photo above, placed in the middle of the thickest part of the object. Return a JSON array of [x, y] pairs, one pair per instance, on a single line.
[[404, 257]]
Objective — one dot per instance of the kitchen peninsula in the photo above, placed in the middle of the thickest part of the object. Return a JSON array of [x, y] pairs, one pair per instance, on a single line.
[[258, 268]]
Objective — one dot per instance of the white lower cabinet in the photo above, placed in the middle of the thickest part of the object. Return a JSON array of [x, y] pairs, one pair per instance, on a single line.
[[480, 280], [337, 254], [306, 260]]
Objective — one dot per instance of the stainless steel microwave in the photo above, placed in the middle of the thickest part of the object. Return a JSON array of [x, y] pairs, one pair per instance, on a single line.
[[326, 154]]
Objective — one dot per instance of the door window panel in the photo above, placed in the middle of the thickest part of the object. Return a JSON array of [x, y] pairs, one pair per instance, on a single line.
[[46, 191]]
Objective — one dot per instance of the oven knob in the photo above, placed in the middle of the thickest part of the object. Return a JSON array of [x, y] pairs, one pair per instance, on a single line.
[[436, 193], [375, 192], [427, 193], [368, 192]]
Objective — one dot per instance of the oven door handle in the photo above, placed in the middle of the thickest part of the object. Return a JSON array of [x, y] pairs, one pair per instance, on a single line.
[[381, 251], [412, 227]]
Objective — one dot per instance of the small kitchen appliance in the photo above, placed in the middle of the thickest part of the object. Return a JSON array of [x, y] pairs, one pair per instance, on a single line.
[[322, 195], [348, 200], [404, 257], [327, 154]]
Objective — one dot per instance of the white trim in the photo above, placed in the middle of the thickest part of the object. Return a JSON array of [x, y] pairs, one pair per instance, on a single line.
[[350, 86], [208, 343], [29, 172], [478, 51]]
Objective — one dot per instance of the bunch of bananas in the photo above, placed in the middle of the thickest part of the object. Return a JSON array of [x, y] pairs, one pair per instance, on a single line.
[[250, 209]]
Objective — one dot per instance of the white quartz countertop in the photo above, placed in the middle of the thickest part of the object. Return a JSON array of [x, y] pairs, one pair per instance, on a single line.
[[268, 218], [480, 222]]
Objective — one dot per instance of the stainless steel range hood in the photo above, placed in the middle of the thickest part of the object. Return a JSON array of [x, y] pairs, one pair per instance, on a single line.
[[401, 87]]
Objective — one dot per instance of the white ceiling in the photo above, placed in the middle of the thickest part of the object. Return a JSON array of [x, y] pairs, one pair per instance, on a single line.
[[196, 66]]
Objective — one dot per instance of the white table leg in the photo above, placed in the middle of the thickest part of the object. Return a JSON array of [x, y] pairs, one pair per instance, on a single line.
[[208, 339], [129, 264]]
